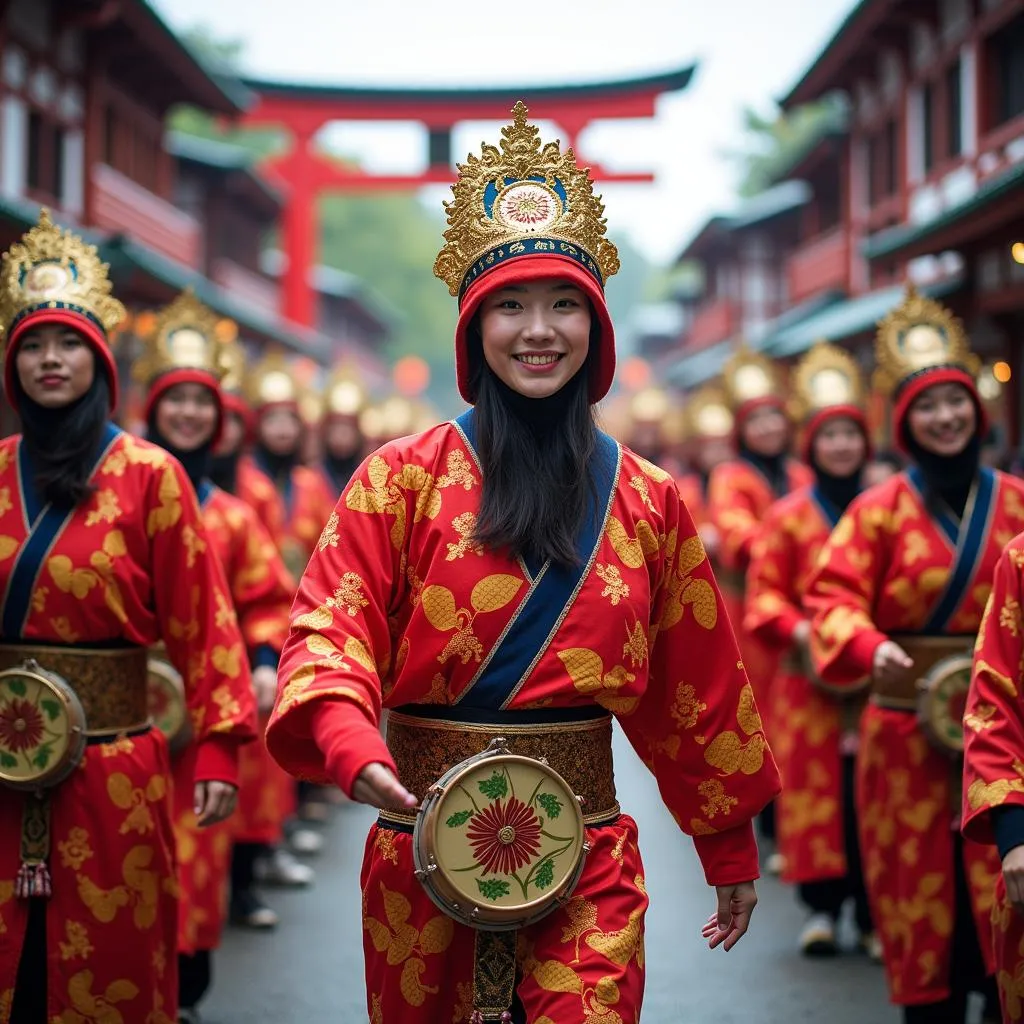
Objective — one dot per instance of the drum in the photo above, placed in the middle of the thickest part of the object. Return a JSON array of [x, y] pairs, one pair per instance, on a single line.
[[499, 841], [942, 700], [167, 708], [42, 728]]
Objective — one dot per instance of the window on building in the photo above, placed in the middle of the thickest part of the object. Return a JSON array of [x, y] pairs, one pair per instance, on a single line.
[[110, 137], [1006, 58], [954, 110], [45, 157], [892, 158], [928, 127]]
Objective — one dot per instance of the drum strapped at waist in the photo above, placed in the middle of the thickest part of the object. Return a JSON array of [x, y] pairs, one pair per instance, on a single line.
[[850, 700], [903, 694], [426, 741], [110, 682]]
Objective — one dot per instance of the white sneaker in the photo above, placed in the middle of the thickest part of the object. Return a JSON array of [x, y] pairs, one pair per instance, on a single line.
[[871, 944], [775, 864], [282, 869], [306, 841], [818, 937]]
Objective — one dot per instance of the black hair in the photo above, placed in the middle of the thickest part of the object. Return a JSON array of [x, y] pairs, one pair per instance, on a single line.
[[62, 444], [536, 454]]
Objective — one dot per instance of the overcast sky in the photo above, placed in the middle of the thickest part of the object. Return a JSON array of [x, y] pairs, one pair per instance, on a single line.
[[747, 52]]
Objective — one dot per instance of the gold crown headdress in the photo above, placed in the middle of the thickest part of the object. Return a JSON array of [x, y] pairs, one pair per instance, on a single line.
[[748, 376], [55, 269], [520, 199], [826, 376], [920, 334], [233, 381], [185, 336], [272, 381], [708, 413], [650, 405], [344, 394]]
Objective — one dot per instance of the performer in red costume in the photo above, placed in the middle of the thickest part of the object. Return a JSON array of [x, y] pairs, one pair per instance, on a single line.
[[516, 573], [898, 596], [104, 554], [181, 367], [994, 766], [343, 441], [816, 824]]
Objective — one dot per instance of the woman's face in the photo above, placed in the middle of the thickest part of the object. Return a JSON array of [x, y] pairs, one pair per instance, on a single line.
[[233, 434], [839, 447], [186, 415], [536, 335], [342, 438], [765, 431], [55, 365], [942, 419], [279, 430]]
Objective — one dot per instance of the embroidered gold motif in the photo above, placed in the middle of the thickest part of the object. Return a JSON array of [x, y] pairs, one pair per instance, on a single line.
[[687, 708], [107, 508], [718, 801], [459, 474], [632, 552], [329, 536], [463, 525], [615, 589], [490, 594], [635, 647], [586, 668], [78, 944], [728, 753]]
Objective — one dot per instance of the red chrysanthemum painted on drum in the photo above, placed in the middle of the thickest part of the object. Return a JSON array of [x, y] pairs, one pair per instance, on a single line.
[[21, 726], [505, 835]]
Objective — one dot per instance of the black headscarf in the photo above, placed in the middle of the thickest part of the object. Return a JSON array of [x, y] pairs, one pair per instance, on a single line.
[[948, 478]]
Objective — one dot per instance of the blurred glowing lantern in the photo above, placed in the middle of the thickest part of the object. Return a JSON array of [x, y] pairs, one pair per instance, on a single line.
[[1017, 251], [144, 323], [635, 373], [226, 330], [411, 376], [1002, 372], [649, 405]]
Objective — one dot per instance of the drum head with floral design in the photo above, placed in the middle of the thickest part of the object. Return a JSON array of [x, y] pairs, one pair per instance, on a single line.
[[507, 837], [42, 729], [166, 699], [943, 701]]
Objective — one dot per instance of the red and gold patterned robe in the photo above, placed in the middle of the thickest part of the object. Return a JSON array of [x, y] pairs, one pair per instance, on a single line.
[[257, 490], [132, 565], [399, 606], [994, 753], [738, 498], [882, 572], [261, 591], [808, 751]]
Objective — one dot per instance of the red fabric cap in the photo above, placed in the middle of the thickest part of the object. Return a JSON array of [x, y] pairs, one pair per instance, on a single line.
[[537, 268], [90, 331], [752, 404], [186, 375], [822, 416], [235, 403], [929, 378]]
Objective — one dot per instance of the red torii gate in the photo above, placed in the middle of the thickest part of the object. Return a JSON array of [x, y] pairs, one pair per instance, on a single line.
[[303, 110]]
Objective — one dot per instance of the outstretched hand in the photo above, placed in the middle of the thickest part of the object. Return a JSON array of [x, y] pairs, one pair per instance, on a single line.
[[730, 922], [378, 787]]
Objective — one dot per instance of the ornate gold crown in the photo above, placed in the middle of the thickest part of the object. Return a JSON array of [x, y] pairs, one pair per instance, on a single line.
[[51, 268], [749, 375], [344, 394], [272, 381], [522, 199], [650, 405], [708, 413], [185, 335], [233, 380], [826, 376], [920, 334]]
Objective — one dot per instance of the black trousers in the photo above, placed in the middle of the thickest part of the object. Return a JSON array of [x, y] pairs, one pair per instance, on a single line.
[[29, 1005], [967, 966], [195, 973], [829, 895]]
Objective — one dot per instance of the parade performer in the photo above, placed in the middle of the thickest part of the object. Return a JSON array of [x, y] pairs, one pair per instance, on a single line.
[[104, 555], [898, 596], [343, 441], [993, 809], [816, 822], [517, 574], [181, 366]]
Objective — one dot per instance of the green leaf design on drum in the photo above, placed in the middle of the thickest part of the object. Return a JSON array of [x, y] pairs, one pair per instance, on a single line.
[[492, 888], [459, 818], [545, 873], [551, 804], [42, 756], [17, 687], [496, 787], [52, 709], [7, 760]]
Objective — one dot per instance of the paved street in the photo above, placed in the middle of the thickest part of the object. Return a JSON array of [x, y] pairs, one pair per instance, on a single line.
[[310, 970]]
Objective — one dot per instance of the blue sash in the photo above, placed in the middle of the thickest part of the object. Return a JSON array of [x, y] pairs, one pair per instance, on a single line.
[[831, 514], [946, 520], [553, 590], [969, 537], [45, 525], [204, 491]]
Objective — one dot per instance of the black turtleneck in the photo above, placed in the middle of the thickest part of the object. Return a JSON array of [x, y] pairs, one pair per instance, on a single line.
[[224, 471], [948, 478], [341, 468], [277, 467], [838, 490], [196, 462], [541, 415], [773, 468]]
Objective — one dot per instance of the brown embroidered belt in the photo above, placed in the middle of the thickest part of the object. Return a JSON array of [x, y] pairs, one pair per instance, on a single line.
[[927, 651], [109, 682], [427, 740]]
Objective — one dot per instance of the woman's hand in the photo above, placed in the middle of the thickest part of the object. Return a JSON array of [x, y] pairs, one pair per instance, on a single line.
[[802, 633], [890, 662], [377, 786], [729, 924], [264, 686], [213, 801], [1013, 875]]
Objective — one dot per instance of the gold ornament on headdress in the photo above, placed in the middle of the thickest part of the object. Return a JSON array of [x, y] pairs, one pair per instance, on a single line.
[[345, 394], [749, 375], [650, 405], [272, 381], [522, 198], [826, 376], [708, 414], [920, 334], [233, 380], [185, 335], [55, 269]]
